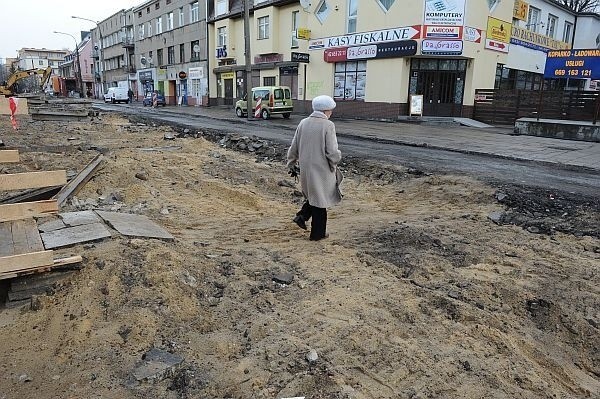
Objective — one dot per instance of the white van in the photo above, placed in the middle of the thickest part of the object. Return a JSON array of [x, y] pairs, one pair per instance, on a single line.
[[116, 95]]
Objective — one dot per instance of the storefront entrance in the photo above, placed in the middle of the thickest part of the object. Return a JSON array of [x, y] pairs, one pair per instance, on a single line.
[[441, 82]]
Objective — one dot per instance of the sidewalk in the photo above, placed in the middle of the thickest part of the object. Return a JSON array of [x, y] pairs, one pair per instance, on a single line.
[[494, 141]]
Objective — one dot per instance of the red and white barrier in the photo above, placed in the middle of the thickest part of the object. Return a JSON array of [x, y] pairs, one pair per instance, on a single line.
[[257, 108]]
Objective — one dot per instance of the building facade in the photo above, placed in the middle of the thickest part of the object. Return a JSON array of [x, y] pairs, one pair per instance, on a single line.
[[171, 50], [69, 67], [32, 58]]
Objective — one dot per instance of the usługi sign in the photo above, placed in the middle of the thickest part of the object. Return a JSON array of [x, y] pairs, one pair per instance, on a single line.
[[574, 64], [402, 48]]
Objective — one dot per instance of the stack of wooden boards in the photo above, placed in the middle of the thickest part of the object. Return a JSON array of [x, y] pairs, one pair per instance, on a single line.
[[21, 248]]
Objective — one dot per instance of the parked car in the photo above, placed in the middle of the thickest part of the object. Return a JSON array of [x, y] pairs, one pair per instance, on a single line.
[[116, 95], [274, 100], [159, 101]]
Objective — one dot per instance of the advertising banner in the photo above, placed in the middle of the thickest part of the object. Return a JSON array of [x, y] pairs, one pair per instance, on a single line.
[[366, 38], [442, 32], [574, 64], [529, 39], [402, 48], [520, 10], [498, 35], [444, 12], [472, 34], [441, 47]]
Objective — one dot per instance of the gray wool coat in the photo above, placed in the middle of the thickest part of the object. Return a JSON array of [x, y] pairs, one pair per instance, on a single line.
[[315, 148]]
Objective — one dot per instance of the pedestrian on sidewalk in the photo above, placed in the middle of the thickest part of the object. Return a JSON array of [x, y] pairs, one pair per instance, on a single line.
[[315, 148]]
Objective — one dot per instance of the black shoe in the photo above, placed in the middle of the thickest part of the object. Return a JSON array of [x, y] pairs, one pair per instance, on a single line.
[[299, 220], [319, 239]]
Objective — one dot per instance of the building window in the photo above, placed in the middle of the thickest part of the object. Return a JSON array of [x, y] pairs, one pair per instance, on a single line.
[[139, 14], [263, 28], [170, 21], [147, 10], [322, 11], [222, 36], [158, 25], [551, 25], [171, 55], [269, 81], [195, 50], [182, 53], [295, 23], [352, 13], [567, 32], [222, 7], [157, 5], [194, 12], [168, 1], [349, 80], [159, 56], [149, 29], [533, 19], [140, 31], [386, 4], [181, 20], [150, 60]]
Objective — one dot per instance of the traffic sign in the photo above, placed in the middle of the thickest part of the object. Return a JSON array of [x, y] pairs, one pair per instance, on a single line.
[[496, 45], [472, 34]]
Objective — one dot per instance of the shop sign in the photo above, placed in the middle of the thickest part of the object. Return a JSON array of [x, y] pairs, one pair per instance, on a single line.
[[442, 32], [266, 58], [444, 12], [288, 70], [300, 57], [472, 34], [498, 35], [402, 48], [442, 47], [227, 75], [196, 73], [521, 10], [182, 75], [578, 64], [303, 34], [145, 76], [222, 52], [529, 39], [366, 38]]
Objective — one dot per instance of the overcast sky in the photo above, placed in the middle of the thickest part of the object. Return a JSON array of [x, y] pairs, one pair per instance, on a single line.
[[30, 23]]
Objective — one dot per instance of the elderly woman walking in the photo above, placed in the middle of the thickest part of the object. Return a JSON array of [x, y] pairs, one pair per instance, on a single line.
[[315, 148]]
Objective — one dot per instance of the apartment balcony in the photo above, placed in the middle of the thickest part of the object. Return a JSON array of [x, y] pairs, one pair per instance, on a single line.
[[129, 69], [128, 42]]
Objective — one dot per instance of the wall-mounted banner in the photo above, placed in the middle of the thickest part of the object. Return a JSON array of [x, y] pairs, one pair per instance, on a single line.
[[526, 38], [444, 12], [441, 47], [498, 35], [374, 37], [520, 10], [402, 48], [442, 32], [574, 64], [472, 34]]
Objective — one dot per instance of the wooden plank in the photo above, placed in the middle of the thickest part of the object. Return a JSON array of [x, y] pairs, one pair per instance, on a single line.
[[21, 181], [74, 235], [26, 210], [38, 194], [25, 237], [78, 181], [9, 156], [26, 261], [58, 263], [134, 225]]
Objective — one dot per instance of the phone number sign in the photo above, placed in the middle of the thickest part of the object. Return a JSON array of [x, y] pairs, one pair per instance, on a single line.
[[574, 64]]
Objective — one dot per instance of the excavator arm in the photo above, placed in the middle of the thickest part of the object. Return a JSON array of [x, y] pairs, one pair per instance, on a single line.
[[15, 77]]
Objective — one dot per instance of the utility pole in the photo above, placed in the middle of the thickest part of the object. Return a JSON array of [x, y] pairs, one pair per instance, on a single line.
[[249, 108]]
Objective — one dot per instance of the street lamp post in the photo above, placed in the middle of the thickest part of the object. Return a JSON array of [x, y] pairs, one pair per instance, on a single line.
[[101, 52], [78, 71]]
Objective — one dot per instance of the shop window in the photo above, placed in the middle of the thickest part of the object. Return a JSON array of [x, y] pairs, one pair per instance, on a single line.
[[350, 80], [322, 11], [386, 4], [352, 13], [263, 27], [269, 81]]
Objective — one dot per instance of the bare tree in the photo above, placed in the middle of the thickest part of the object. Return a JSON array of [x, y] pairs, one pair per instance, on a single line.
[[580, 5]]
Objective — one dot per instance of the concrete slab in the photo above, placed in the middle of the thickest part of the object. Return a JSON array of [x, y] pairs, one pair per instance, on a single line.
[[51, 225], [79, 218], [134, 225], [74, 235], [471, 122]]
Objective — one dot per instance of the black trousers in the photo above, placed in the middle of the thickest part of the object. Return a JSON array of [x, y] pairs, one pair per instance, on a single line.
[[319, 220]]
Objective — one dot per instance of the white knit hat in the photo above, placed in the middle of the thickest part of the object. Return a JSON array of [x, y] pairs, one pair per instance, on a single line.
[[323, 103]]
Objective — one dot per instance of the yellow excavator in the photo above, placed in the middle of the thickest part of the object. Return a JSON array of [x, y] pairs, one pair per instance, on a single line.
[[7, 88]]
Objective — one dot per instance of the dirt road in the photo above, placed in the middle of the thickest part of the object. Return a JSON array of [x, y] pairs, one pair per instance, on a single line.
[[416, 294]]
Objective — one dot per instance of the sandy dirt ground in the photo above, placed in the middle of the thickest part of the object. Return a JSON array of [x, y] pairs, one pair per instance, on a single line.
[[416, 294]]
